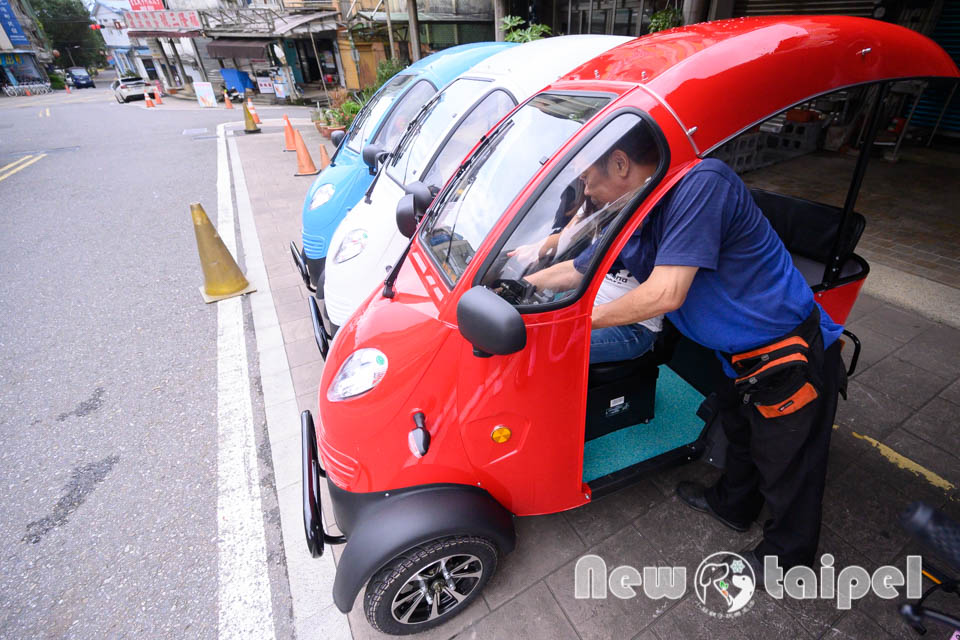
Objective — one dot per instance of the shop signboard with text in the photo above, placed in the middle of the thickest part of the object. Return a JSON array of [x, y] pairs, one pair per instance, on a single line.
[[11, 26], [147, 5], [152, 20]]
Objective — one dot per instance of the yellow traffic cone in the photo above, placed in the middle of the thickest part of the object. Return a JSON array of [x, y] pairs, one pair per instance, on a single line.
[[249, 125], [222, 277], [253, 110]]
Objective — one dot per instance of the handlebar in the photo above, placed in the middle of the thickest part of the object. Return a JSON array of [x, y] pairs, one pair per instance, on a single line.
[[935, 530]]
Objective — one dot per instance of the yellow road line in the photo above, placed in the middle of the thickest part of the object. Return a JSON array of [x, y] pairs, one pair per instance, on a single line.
[[2, 169], [903, 462], [22, 166], [48, 112]]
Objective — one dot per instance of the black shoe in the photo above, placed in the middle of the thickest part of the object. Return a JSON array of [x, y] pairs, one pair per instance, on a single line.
[[693, 493]]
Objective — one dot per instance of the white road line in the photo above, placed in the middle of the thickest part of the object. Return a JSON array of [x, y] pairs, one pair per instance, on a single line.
[[311, 580], [245, 606]]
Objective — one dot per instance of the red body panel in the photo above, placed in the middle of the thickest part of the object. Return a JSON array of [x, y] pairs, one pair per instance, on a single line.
[[718, 77]]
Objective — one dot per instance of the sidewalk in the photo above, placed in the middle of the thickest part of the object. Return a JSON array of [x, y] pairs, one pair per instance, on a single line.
[[894, 442]]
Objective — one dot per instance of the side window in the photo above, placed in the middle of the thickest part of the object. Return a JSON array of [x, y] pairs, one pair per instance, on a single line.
[[403, 113], [553, 245], [478, 122]]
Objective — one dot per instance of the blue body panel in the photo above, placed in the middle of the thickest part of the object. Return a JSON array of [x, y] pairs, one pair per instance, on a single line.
[[350, 175]]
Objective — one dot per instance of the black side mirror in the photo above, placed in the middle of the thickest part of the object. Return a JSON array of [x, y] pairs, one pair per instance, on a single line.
[[371, 156], [407, 215], [336, 137], [491, 324], [422, 196]]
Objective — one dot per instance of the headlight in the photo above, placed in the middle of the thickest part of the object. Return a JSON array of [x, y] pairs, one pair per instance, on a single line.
[[323, 193], [360, 372], [351, 246]]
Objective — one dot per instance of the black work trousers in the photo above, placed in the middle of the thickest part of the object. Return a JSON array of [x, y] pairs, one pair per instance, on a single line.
[[782, 461]]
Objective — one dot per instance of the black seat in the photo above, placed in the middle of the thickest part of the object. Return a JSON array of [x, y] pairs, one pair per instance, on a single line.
[[809, 229]]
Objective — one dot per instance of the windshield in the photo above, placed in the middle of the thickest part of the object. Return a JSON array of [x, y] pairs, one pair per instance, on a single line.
[[497, 171], [403, 112], [79, 72], [374, 110], [431, 124]]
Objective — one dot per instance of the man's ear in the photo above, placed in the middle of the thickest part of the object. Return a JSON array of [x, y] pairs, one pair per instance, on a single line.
[[620, 163]]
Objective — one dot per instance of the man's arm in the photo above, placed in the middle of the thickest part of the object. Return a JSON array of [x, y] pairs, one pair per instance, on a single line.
[[664, 291], [559, 277]]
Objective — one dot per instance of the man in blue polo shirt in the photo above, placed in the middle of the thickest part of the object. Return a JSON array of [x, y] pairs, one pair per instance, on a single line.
[[708, 258]]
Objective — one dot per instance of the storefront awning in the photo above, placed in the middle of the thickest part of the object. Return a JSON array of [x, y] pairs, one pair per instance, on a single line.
[[316, 22], [245, 48]]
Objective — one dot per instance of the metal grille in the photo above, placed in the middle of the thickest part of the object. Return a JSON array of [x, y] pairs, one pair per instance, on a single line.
[[947, 35], [862, 8]]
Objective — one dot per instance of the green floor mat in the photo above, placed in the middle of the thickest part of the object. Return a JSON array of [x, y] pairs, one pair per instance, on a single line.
[[675, 424]]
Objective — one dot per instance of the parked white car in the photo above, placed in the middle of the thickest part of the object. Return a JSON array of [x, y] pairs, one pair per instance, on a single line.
[[367, 243], [126, 89]]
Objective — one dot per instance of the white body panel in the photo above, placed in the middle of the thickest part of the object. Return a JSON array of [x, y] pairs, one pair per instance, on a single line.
[[521, 70]]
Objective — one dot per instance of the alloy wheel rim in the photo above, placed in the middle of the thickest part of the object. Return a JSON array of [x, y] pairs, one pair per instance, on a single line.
[[437, 589]]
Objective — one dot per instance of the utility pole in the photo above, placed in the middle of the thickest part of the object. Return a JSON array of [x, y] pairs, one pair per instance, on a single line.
[[413, 23], [394, 54], [499, 13]]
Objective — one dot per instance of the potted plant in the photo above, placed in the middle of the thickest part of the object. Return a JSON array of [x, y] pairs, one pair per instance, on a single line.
[[350, 110], [319, 120], [336, 119]]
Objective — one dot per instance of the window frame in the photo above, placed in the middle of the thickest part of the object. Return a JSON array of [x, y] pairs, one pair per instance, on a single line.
[[446, 138], [616, 225]]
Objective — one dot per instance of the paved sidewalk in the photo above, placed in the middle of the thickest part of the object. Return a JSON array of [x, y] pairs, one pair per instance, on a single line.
[[895, 441]]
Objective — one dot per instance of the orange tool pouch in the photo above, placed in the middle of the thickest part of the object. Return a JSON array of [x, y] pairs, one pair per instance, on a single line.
[[778, 378]]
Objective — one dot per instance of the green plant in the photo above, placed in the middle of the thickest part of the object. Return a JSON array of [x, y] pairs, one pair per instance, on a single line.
[[56, 81], [513, 33], [666, 19], [350, 110], [335, 118], [386, 69]]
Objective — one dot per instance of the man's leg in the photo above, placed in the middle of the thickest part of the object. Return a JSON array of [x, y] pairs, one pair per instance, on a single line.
[[791, 453], [614, 344], [736, 495]]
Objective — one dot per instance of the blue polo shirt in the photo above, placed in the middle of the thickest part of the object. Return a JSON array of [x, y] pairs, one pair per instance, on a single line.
[[746, 292]]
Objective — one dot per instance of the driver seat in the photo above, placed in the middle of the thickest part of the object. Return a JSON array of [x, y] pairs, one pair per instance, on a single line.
[[621, 394]]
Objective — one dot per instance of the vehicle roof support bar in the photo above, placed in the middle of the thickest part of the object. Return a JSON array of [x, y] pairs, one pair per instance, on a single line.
[[832, 271]]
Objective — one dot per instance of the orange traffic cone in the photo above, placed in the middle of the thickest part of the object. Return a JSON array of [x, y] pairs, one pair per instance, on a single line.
[[68, 89], [156, 95], [324, 157], [146, 98], [253, 111], [226, 100], [305, 166], [289, 143], [28, 92]]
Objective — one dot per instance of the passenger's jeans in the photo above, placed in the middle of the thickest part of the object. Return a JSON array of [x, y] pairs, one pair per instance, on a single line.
[[626, 342]]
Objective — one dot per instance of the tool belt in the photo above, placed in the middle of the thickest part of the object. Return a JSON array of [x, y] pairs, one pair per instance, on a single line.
[[782, 376]]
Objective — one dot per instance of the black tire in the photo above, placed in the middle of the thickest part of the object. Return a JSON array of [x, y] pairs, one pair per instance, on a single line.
[[473, 558], [93, 85]]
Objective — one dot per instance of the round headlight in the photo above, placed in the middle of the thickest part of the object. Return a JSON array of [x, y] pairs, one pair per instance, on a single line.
[[323, 193], [351, 246], [361, 371]]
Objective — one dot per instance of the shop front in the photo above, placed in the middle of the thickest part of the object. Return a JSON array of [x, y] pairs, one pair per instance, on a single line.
[[19, 67]]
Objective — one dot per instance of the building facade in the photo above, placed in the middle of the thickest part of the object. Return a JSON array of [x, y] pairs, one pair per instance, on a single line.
[[24, 52]]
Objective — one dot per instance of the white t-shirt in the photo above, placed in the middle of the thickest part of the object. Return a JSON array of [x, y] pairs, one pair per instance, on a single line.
[[618, 284]]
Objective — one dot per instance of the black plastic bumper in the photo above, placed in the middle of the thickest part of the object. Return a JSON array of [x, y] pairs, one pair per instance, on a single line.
[[300, 260], [319, 332], [312, 472]]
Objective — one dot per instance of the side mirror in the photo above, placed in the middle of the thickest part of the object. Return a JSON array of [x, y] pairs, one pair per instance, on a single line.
[[336, 137], [490, 323], [422, 196], [407, 215], [371, 156]]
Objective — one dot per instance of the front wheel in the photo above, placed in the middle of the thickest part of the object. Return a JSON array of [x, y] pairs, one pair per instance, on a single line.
[[429, 584]]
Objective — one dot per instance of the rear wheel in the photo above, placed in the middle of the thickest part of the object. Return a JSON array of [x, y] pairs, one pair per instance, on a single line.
[[429, 584]]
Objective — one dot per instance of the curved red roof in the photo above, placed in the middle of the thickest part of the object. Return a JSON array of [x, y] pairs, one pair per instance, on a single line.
[[721, 77]]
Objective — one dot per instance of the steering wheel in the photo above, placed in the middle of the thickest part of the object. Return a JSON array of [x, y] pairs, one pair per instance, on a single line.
[[519, 292]]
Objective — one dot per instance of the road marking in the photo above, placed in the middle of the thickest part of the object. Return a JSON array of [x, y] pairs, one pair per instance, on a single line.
[[48, 112], [18, 161], [906, 463], [315, 616], [245, 604], [21, 167]]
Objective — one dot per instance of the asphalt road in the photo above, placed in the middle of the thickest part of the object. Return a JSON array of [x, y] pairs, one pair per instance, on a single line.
[[108, 374]]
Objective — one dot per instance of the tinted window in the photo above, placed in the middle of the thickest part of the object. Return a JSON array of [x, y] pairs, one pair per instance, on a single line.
[[403, 112], [374, 110]]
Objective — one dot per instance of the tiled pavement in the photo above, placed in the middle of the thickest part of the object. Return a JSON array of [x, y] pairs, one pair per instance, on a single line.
[[903, 396]]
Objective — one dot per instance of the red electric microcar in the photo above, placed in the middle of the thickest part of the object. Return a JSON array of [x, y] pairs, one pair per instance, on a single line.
[[458, 396]]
